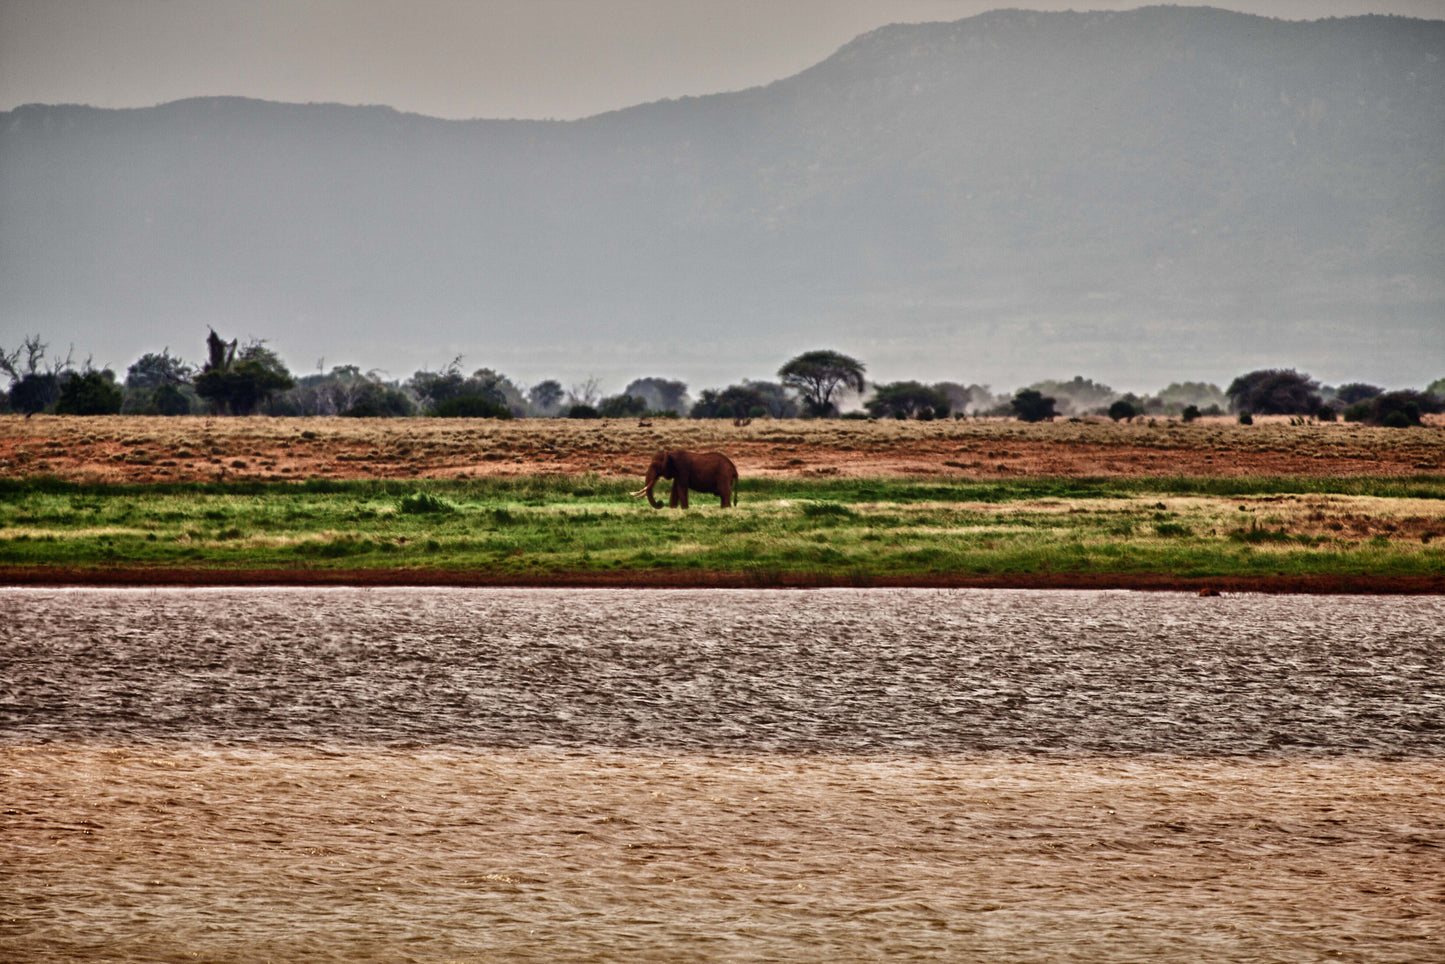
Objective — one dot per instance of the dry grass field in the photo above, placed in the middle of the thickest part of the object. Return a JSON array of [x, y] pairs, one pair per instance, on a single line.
[[120, 449]]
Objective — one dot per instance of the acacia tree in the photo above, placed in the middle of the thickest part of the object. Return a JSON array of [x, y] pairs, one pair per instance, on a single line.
[[816, 375], [1274, 391], [159, 384], [546, 396], [1354, 392], [1032, 405], [660, 394], [241, 383], [34, 383]]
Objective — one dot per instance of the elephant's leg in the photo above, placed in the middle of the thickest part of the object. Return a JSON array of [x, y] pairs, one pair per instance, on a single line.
[[684, 495], [677, 495]]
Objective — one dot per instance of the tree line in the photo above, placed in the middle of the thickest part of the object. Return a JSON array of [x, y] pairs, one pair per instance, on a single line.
[[247, 379]]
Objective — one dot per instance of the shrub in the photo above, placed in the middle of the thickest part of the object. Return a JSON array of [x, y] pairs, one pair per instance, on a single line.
[[90, 393], [905, 400], [1397, 419], [1077, 395], [815, 510], [1122, 409], [1412, 403], [470, 406], [379, 400], [1191, 412], [583, 411], [1246, 419], [1030, 405], [1397, 409], [168, 400], [421, 503], [35, 392], [739, 401], [623, 406], [1357, 392], [1275, 391], [659, 394]]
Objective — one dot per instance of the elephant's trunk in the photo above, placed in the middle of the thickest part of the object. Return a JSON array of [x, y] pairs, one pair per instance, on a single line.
[[646, 490]]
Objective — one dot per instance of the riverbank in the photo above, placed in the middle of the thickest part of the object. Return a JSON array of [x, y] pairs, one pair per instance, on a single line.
[[153, 577]]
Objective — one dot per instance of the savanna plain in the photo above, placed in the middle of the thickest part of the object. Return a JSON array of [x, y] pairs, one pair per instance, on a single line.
[[1153, 503], [298, 690]]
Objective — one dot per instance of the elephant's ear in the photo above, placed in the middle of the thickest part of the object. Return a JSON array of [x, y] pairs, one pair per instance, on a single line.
[[669, 466]]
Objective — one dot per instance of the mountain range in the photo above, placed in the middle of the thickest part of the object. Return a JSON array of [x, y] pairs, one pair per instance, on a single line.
[[1139, 197]]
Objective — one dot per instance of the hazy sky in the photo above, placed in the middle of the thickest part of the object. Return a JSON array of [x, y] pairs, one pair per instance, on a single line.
[[468, 58]]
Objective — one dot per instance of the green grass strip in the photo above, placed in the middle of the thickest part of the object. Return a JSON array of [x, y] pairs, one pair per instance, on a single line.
[[835, 528]]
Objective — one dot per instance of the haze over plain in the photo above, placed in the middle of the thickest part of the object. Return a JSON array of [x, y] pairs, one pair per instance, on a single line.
[[1137, 197]]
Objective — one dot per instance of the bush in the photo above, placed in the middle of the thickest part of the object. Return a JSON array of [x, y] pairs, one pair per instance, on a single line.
[[421, 503], [824, 509], [623, 406], [90, 393], [1030, 405], [583, 411], [470, 406], [736, 401], [1191, 412], [35, 392], [1357, 392], [168, 400], [379, 400], [905, 400], [241, 383], [1246, 419], [1121, 409], [1275, 391], [1398, 409]]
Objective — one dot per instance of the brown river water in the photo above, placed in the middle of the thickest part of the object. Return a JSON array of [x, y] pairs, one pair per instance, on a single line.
[[594, 775]]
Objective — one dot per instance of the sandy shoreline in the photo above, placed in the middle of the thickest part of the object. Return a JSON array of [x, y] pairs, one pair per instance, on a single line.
[[139, 576]]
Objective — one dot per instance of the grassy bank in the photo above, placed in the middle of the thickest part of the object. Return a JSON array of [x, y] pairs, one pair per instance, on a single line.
[[785, 530]]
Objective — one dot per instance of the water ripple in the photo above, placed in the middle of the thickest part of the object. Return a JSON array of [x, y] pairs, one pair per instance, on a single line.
[[829, 671]]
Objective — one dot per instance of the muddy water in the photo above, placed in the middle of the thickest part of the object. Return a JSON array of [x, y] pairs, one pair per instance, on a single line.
[[438, 775]]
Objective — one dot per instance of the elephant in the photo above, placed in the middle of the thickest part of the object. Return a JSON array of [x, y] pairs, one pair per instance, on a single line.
[[701, 471]]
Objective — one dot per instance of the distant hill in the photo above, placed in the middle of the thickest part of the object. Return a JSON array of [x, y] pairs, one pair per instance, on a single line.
[[1133, 196]]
